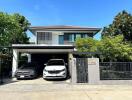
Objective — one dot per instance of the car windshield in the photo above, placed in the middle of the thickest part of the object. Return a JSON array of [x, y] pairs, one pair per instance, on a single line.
[[28, 65], [55, 62]]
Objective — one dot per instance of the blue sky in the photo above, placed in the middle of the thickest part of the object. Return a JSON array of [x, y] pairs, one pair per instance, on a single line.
[[93, 13]]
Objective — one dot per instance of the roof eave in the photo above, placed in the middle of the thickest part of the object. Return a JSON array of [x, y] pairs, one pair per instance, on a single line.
[[34, 29]]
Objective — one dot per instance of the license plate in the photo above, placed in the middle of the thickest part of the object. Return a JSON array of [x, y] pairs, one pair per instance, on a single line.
[[22, 76]]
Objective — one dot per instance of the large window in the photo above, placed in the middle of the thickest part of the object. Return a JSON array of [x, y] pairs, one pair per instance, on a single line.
[[44, 37], [71, 37], [68, 37]]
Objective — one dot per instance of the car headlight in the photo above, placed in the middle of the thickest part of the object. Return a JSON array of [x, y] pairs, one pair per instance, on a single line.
[[63, 70], [64, 73], [45, 70]]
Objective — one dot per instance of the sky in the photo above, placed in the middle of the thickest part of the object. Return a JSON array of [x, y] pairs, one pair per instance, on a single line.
[[91, 13]]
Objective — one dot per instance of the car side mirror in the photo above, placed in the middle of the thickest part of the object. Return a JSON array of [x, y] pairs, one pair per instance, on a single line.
[[45, 64]]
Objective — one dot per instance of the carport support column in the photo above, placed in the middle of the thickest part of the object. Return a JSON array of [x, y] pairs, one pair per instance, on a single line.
[[93, 71], [15, 62]]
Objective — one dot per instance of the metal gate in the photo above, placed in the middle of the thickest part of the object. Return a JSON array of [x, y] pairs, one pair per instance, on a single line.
[[82, 70]]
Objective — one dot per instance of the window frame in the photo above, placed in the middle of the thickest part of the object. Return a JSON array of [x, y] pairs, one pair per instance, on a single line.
[[44, 36]]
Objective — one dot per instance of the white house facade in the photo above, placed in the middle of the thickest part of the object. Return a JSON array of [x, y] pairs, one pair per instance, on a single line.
[[51, 42]]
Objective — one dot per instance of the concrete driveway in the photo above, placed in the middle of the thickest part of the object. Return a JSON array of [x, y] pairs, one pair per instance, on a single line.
[[65, 92], [39, 81]]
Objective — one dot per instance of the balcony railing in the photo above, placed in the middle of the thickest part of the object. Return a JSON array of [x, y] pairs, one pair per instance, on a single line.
[[44, 42], [69, 42]]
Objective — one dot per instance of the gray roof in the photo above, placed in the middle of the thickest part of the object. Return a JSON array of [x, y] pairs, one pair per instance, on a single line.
[[64, 28]]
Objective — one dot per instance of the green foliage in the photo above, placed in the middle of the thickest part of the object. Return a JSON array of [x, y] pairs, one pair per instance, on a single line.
[[117, 38], [116, 44], [86, 44], [110, 48], [13, 29], [114, 49], [121, 25]]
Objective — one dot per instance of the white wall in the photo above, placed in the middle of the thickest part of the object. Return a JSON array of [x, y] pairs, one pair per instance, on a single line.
[[93, 71], [55, 37]]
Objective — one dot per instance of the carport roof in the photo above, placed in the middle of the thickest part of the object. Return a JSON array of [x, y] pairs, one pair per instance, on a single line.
[[41, 46]]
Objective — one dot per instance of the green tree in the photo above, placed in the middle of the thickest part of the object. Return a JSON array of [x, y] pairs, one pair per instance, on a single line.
[[114, 49], [121, 25], [109, 48], [13, 29], [86, 44]]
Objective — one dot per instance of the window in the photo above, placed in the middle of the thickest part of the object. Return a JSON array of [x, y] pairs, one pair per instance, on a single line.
[[84, 35], [78, 36], [44, 35], [66, 37], [69, 37]]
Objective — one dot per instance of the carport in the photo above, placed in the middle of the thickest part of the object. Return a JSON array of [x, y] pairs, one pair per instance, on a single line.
[[42, 53], [42, 58]]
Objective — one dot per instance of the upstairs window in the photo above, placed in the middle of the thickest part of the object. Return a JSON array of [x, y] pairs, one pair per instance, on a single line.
[[68, 37], [44, 36], [71, 37]]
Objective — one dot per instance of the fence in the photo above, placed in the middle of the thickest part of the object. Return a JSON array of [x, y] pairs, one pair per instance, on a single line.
[[116, 71]]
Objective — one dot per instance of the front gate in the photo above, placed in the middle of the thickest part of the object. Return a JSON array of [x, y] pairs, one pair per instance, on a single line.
[[82, 70]]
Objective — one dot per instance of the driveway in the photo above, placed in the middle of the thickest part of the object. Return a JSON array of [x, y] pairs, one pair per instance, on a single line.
[[65, 92], [39, 81]]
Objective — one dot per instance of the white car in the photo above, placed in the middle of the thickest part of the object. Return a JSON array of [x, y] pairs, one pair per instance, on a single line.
[[55, 69]]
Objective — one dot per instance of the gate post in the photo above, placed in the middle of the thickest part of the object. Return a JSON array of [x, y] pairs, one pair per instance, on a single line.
[[74, 72], [93, 71]]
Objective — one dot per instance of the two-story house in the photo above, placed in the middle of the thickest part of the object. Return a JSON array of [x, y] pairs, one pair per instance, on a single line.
[[51, 42]]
